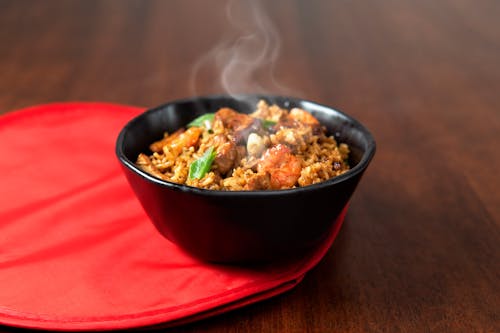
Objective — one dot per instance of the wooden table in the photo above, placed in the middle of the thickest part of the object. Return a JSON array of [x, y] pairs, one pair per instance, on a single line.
[[420, 247]]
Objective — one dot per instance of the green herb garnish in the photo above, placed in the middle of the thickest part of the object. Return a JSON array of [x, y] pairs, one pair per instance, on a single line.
[[268, 123], [201, 166], [203, 120]]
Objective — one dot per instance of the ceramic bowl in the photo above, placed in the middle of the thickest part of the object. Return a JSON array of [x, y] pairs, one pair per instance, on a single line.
[[242, 226]]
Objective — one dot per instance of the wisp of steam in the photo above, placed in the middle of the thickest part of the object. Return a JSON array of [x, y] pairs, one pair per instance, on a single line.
[[249, 52]]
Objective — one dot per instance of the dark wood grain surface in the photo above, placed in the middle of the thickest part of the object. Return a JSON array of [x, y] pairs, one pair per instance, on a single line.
[[420, 248]]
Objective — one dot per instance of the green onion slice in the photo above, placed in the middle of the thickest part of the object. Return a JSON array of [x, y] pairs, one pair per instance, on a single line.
[[201, 166], [268, 123], [203, 120]]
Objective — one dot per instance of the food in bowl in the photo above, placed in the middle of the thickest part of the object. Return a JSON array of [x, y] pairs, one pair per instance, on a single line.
[[272, 148], [240, 227]]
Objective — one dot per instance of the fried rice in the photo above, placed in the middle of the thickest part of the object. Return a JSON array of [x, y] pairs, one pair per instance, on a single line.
[[271, 148]]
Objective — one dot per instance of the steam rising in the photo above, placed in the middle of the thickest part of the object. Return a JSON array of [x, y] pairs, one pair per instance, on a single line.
[[244, 62]]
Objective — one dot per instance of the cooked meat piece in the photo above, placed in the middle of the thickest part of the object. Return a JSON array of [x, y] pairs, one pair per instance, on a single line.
[[228, 154], [259, 181], [240, 124]]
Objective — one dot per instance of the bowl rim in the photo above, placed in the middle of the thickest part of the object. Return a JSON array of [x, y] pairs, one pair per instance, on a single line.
[[357, 169]]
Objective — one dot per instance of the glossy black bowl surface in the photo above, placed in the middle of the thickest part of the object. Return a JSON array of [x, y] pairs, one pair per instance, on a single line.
[[241, 226]]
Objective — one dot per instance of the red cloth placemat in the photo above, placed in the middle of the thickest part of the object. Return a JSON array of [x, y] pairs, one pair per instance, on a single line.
[[77, 252]]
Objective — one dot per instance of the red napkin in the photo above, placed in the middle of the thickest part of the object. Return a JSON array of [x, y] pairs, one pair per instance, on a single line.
[[77, 252]]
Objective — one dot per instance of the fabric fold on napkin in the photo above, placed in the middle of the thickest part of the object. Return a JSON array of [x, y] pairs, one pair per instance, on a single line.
[[77, 251]]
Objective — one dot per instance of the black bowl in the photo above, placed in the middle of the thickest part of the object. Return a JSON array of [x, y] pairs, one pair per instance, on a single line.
[[241, 226]]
